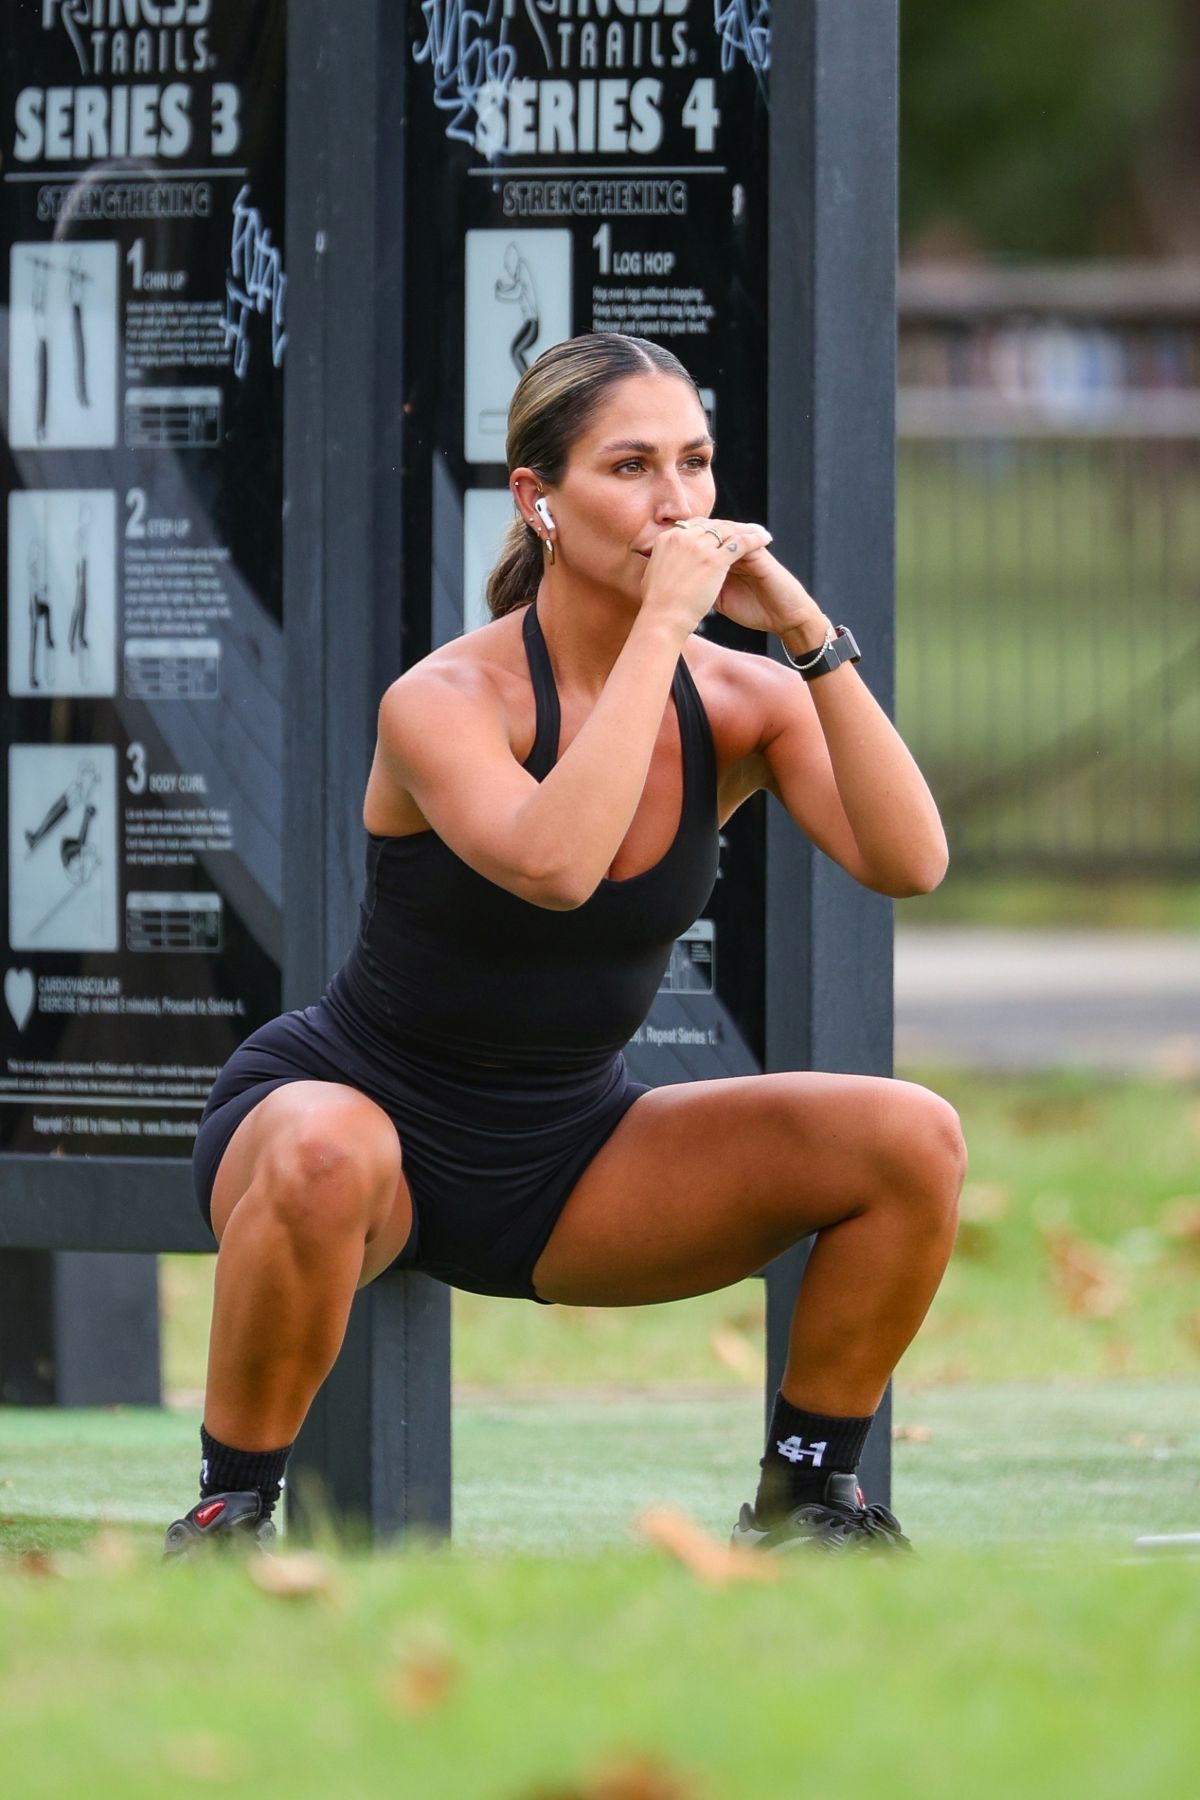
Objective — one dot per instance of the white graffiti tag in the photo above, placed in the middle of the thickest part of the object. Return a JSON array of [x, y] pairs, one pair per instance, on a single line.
[[255, 283], [744, 28], [472, 62]]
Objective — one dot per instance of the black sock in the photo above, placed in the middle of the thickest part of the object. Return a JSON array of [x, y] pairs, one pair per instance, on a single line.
[[227, 1471], [803, 1449]]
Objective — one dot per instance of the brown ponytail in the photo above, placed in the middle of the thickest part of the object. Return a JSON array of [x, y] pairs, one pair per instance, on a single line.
[[553, 405], [514, 579]]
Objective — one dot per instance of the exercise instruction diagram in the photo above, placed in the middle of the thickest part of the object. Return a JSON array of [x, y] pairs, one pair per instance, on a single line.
[[518, 303], [61, 592], [62, 847], [62, 346]]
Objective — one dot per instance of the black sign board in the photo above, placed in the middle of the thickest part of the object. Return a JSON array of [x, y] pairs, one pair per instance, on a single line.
[[144, 326], [591, 167]]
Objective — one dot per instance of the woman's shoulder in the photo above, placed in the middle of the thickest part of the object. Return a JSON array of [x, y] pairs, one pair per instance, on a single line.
[[738, 687], [486, 663], [466, 699]]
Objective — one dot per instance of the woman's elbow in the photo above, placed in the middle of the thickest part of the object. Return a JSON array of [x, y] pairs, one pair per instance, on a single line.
[[921, 875], [563, 888]]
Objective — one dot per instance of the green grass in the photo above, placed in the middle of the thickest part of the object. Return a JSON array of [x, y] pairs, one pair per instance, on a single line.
[[1038, 1464], [447, 1676], [1029, 1650]]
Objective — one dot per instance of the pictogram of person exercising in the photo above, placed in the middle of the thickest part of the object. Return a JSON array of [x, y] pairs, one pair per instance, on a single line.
[[41, 281], [76, 285], [77, 634], [78, 858], [516, 284], [41, 628], [79, 793]]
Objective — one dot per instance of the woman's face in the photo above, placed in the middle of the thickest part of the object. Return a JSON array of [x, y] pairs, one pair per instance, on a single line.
[[643, 462]]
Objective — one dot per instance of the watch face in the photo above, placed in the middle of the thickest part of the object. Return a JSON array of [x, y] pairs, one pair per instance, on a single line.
[[843, 649]]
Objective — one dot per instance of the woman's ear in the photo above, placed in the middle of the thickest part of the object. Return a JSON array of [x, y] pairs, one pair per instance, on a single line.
[[525, 487]]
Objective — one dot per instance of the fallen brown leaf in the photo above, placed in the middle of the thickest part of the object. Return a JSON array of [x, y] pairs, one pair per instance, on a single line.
[[1137, 1440], [730, 1347], [1087, 1279], [36, 1562], [423, 1681], [912, 1434], [710, 1561], [1181, 1220], [639, 1778], [642, 1778], [294, 1575]]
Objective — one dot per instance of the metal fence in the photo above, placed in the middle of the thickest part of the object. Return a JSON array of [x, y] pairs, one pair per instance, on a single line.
[[1048, 671]]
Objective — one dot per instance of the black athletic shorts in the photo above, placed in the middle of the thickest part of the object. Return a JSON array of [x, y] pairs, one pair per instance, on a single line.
[[490, 1155]]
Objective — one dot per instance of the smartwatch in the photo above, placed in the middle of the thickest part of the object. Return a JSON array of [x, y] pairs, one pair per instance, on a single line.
[[840, 648]]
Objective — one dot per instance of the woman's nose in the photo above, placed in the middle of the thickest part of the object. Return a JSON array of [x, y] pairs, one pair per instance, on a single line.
[[672, 501]]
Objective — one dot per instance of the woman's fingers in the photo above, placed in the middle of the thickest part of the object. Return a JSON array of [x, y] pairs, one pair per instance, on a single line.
[[719, 531], [689, 564]]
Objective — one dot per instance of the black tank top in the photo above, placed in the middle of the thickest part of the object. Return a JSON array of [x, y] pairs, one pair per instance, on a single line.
[[448, 963]]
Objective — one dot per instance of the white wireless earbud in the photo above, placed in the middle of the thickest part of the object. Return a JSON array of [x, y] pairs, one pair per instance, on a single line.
[[542, 508]]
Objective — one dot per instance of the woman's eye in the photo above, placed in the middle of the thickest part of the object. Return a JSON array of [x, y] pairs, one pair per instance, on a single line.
[[634, 463]]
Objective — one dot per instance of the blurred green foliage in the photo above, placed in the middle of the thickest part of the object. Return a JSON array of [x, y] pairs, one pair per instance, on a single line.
[[1039, 129]]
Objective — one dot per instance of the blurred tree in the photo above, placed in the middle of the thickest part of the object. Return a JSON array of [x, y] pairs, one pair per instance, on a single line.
[[1050, 127]]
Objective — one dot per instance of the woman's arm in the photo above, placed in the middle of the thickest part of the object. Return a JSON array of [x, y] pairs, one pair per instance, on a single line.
[[829, 751], [443, 738]]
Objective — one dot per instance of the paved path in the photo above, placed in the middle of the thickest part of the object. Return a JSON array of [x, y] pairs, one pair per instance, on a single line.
[[1114, 1001]]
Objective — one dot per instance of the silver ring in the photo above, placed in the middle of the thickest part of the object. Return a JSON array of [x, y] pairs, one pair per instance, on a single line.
[[679, 524], [712, 533]]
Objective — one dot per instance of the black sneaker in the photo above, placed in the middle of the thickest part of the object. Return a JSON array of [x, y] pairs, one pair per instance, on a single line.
[[223, 1521], [840, 1520]]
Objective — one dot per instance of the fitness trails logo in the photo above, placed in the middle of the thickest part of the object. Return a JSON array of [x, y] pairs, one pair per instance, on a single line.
[[130, 102], [139, 37], [796, 1450], [598, 76]]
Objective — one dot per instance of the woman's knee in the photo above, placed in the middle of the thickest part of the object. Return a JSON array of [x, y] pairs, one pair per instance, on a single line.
[[924, 1154], [330, 1173]]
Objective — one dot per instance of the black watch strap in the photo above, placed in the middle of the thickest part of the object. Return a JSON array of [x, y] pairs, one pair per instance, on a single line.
[[842, 648]]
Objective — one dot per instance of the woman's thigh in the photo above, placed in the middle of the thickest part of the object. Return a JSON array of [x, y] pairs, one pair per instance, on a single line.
[[702, 1184], [324, 1149]]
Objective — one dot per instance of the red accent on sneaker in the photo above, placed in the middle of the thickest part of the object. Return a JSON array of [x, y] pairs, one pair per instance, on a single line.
[[862, 1498], [204, 1515]]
